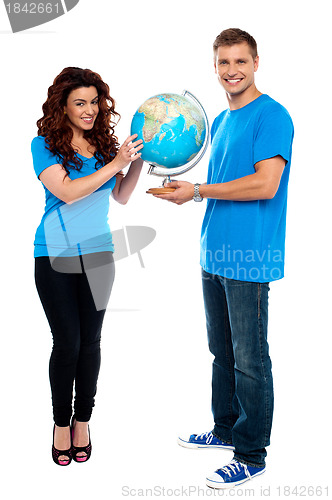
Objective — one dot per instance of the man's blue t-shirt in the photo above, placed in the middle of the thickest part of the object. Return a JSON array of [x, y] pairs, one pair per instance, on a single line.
[[245, 240], [77, 228]]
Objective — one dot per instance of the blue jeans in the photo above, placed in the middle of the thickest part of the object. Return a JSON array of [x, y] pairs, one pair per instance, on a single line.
[[242, 386]]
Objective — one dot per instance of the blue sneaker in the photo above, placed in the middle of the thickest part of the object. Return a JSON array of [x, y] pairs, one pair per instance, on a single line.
[[233, 474], [205, 440]]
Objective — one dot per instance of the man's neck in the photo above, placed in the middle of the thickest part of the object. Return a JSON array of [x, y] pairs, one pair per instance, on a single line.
[[240, 100]]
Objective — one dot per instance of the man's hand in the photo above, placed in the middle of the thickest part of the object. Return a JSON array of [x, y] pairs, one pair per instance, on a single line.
[[184, 191]]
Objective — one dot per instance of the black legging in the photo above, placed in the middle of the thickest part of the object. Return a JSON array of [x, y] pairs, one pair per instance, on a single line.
[[74, 292]]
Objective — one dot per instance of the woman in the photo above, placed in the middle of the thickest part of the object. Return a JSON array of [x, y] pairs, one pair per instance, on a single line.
[[77, 158]]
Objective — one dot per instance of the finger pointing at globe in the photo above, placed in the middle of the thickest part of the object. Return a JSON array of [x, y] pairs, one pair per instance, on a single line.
[[129, 151]]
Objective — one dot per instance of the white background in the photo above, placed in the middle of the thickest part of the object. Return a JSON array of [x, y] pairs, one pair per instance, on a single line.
[[155, 378]]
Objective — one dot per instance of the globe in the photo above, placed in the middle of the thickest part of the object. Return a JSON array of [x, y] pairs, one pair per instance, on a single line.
[[172, 128]]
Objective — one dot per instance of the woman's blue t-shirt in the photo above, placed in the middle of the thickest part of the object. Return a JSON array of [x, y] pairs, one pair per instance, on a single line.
[[245, 240], [77, 228]]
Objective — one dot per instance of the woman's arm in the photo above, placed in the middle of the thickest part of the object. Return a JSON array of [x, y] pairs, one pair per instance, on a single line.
[[125, 185], [58, 183]]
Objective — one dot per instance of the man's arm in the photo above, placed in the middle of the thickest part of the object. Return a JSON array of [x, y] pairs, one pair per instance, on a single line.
[[262, 185]]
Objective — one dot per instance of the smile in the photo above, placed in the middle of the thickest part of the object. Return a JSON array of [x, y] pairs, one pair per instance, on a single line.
[[87, 120], [233, 81]]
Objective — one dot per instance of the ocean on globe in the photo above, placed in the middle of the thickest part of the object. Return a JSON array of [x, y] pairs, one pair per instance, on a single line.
[[172, 128]]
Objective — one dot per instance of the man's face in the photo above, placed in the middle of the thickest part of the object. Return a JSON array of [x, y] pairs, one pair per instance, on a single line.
[[235, 68]]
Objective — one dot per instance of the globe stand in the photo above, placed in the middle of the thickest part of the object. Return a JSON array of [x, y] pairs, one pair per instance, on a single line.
[[161, 190], [161, 170]]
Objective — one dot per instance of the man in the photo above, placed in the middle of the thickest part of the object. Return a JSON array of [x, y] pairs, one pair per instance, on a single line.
[[242, 251]]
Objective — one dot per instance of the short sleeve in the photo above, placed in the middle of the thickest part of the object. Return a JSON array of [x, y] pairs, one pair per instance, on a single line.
[[274, 135], [215, 125], [213, 129], [42, 157]]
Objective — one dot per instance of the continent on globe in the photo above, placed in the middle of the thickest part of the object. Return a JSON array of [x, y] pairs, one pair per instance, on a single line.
[[172, 128]]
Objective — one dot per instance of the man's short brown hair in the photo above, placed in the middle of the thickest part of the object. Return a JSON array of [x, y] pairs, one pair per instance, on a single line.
[[233, 36]]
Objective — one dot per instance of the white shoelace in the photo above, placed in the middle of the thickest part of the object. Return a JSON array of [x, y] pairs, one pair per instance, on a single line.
[[235, 466], [207, 435]]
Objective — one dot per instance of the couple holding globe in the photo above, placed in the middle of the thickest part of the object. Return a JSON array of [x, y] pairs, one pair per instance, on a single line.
[[246, 192]]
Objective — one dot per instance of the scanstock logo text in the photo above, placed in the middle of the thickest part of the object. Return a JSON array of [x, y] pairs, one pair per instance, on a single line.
[[24, 15]]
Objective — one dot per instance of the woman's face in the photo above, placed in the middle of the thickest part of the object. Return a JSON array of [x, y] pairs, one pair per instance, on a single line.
[[82, 108]]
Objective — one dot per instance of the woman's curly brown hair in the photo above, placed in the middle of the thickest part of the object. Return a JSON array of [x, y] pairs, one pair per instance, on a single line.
[[54, 125]]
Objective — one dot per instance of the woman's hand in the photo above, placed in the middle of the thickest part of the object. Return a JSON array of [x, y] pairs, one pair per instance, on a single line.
[[128, 152]]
